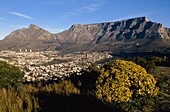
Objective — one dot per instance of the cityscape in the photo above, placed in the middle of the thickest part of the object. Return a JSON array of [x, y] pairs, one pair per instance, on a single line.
[[51, 65]]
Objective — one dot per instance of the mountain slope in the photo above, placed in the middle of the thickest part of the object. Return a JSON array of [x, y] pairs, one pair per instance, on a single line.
[[132, 34], [32, 37]]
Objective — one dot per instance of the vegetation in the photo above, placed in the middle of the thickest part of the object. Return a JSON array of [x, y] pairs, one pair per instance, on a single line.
[[12, 100], [9, 75], [27, 98], [162, 101], [118, 85], [148, 63], [121, 80]]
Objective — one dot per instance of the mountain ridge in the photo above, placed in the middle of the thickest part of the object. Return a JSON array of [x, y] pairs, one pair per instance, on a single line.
[[131, 34]]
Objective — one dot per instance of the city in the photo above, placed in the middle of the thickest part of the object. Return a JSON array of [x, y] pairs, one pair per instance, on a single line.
[[50, 65]]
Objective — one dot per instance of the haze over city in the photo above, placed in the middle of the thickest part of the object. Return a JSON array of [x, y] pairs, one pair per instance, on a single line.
[[58, 15]]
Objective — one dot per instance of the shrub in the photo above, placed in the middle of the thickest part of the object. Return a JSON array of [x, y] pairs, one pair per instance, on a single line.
[[120, 81], [148, 63], [64, 87], [17, 101], [9, 75]]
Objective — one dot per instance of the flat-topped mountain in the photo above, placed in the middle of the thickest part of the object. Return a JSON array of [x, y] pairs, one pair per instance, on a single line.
[[132, 34]]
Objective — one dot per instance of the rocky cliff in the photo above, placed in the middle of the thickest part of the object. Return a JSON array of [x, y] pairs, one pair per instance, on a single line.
[[132, 34]]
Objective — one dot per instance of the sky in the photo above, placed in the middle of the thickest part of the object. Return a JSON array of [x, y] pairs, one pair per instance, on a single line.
[[58, 15]]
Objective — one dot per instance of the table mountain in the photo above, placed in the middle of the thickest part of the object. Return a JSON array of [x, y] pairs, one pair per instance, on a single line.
[[126, 35]]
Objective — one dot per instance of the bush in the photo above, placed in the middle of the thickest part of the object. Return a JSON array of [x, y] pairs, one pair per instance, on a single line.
[[64, 87], [148, 63], [121, 81], [17, 101], [9, 75], [27, 98]]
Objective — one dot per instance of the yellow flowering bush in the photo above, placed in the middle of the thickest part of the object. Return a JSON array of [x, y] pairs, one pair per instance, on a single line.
[[119, 80]]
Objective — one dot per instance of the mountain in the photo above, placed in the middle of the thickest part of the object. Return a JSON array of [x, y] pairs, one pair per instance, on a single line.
[[136, 34], [32, 37]]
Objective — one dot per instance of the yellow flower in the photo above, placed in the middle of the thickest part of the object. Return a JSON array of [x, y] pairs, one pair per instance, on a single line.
[[120, 79]]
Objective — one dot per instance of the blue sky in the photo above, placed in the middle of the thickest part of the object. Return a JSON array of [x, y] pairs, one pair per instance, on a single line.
[[58, 15]]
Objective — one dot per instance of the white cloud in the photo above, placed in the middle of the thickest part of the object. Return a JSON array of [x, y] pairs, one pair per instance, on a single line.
[[91, 7], [20, 15]]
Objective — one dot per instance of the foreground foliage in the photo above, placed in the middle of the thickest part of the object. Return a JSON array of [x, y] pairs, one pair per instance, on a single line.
[[17, 101], [26, 98], [121, 80], [9, 75], [126, 87], [148, 63], [162, 101]]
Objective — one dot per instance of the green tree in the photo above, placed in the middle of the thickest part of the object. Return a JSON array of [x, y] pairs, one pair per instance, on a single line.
[[120, 81], [148, 63], [9, 75]]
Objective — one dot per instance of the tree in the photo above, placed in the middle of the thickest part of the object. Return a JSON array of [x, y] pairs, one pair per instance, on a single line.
[[148, 63], [9, 75], [120, 81]]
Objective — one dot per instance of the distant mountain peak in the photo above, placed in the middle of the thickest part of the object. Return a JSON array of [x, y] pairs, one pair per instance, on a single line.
[[143, 18], [33, 26]]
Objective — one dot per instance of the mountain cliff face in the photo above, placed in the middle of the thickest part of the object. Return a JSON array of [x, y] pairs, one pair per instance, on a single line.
[[114, 31], [132, 34]]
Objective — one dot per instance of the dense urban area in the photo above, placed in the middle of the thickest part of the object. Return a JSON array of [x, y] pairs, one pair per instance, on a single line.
[[50, 65]]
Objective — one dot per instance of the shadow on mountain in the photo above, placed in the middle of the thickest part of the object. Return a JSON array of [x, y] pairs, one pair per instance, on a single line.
[[72, 103]]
